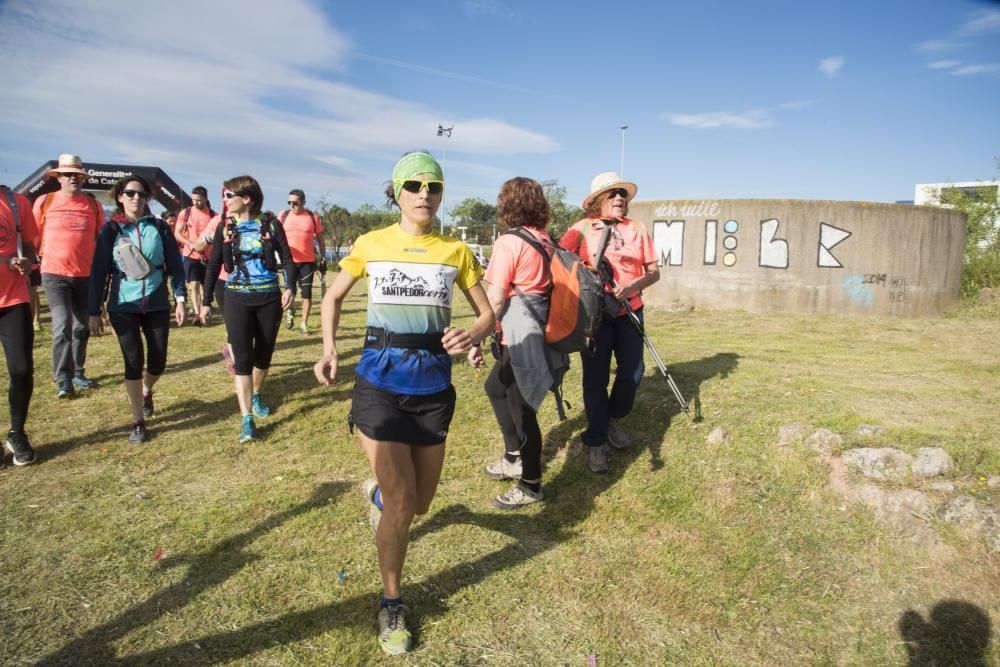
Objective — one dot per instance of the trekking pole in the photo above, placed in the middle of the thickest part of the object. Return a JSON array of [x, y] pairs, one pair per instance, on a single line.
[[634, 319]]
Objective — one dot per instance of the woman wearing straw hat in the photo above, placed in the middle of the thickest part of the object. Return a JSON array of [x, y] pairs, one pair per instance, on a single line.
[[403, 400], [629, 257]]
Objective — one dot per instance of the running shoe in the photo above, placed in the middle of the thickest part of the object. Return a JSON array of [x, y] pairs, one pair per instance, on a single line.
[[504, 469], [138, 434], [368, 488], [289, 319], [393, 635], [82, 382], [259, 409], [64, 389], [617, 436], [227, 356], [18, 445], [249, 430], [304, 328], [517, 497], [147, 404], [597, 459]]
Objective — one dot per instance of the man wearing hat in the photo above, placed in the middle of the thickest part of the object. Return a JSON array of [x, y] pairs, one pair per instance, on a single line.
[[69, 222], [629, 255]]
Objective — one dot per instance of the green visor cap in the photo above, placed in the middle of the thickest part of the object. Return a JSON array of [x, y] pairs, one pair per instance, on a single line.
[[412, 165]]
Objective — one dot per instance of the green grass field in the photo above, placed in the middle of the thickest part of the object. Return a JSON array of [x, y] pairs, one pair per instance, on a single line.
[[684, 554]]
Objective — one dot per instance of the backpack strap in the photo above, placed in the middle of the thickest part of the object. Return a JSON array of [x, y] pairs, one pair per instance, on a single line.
[[281, 218], [530, 239]]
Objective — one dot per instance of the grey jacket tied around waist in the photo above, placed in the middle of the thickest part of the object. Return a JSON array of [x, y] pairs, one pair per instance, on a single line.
[[536, 366]]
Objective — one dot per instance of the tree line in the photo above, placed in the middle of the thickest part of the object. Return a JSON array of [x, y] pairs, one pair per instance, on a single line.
[[476, 215]]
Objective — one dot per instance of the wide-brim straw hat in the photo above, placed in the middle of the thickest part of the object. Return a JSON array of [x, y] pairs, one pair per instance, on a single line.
[[608, 180], [68, 164]]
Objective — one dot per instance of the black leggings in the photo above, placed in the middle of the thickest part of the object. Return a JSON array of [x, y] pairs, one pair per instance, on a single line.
[[517, 420], [18, 339], [252, 329], [155, 327]]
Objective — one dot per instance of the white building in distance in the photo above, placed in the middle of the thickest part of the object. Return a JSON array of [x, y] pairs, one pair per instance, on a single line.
[[929, 194]]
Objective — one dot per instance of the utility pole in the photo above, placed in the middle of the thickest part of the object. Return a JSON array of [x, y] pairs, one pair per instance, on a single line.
[[446, 133]]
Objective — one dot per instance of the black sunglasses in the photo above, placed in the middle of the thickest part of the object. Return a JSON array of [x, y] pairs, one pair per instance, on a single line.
[[131, 194], [230, 195], [433, 187], [294, 203], [618, 192]]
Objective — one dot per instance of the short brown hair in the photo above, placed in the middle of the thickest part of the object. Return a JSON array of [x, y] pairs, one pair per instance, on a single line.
[[522, 203], [247, 186]]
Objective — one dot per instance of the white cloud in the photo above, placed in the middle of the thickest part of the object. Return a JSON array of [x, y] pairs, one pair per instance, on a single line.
[[972, 70], [944, 64], [260, 96], [714, 119], [831, 66], [937, 45], [984, 21]]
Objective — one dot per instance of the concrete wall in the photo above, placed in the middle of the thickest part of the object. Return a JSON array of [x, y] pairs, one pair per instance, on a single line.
[[768, 255]]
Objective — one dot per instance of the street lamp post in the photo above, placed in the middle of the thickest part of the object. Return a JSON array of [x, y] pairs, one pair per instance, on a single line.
[[446, 133], [621, 172]]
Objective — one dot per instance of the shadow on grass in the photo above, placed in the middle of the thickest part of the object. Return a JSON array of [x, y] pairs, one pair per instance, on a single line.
[[570, 498], [205, 572], [189, 414], [955, 633]]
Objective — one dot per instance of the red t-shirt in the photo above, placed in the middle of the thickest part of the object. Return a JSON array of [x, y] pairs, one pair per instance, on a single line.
[[300, 230], [630, 249], [14, 285], [192, 222], [68, 233]]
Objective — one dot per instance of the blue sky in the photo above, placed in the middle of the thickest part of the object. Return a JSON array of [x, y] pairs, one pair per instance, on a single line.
[[845, 101]]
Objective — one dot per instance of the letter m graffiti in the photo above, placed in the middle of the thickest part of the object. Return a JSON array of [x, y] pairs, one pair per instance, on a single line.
[[668, 240]]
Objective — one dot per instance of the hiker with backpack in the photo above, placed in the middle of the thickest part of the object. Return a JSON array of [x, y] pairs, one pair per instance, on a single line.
[[302, 227], [403, 399], [69, 221], [519, 286], [607, 238], [137, 251], [245, 244], [18, 237]]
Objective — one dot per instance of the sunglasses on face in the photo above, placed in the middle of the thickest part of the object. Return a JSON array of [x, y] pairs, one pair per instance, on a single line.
[[618, 192], [72, 175], [433, 187], [132, 194], [294, 203], [229, 195]]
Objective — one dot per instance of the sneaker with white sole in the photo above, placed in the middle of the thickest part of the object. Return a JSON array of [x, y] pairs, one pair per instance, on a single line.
[[393, 635], [504, 469], [517, 497], [248, 431], [18, 445], [368, 488], [617, 436]]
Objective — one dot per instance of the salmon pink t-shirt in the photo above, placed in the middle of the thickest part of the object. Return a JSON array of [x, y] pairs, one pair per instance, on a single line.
[[14, 285], [209, 236], [630, 249], [300, 230], [515, 263], [193, 222], [68, 233]]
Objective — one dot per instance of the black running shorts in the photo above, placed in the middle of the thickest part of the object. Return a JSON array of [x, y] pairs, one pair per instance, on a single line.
[[414, 420]]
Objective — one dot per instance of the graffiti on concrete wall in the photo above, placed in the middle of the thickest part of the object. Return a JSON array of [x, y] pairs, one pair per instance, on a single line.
[[722, 246], [772, 251]]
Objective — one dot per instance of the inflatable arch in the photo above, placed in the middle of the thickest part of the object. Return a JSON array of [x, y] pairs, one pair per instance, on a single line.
[[100, 177]]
